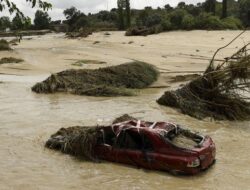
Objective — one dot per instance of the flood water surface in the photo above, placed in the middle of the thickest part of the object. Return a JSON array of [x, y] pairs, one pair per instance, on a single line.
[[28, 119]]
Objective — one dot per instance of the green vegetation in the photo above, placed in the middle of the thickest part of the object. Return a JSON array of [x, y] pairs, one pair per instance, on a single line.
[[10, 60], [12, 7], [42, 20], [110, 81], [4, 45], [209, 15], [21, 23]]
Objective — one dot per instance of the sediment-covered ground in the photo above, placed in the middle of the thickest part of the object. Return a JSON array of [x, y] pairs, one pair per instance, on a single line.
[[28, 119]]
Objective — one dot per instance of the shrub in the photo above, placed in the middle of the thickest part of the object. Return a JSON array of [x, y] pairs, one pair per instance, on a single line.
[[208, 21], [176, 18], [188, 22], [166, 25], [4, 45], [232, 23]]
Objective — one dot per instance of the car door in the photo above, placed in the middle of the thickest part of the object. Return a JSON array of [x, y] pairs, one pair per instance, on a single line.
[[130, 148]]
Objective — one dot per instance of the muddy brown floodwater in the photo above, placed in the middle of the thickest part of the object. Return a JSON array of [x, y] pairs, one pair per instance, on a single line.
[[28, 119]]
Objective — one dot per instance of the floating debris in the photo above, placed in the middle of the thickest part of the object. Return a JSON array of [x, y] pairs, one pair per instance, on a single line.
[[10, 60], [220, 93], [119, 80]]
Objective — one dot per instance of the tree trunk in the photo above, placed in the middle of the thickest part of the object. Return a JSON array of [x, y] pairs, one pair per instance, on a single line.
[[121, 15], [213, 7], [224, 9], [128, 13]]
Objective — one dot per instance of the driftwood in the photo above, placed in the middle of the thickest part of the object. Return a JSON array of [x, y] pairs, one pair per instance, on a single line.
[[222, 92]]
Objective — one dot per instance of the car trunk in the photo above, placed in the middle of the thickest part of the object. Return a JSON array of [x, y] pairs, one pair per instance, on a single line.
[[183, 138]]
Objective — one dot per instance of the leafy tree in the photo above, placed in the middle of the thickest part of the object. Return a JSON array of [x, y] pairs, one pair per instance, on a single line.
[[244, 11], [11, 6], [124, 5], [75, 19], [17, 23], [176, 17], [128, 13], [42, 20], [4, 22], [210, 6], [168, 7], [181, 5], [153, 20], [141, 20], [188, 22], [120, 5]]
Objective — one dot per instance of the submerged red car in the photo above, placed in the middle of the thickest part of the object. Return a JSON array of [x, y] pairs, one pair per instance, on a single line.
[[156, 146]]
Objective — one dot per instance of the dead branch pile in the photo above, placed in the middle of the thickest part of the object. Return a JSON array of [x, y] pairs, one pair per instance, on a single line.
[[143, 31], [222, 92], [109, 81], [79, 141], [82, 33]]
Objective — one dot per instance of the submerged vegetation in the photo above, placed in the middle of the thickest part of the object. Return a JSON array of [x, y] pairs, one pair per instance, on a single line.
[[4, 45], [220, 93], [79, 141], [10, 60], [110, 81]]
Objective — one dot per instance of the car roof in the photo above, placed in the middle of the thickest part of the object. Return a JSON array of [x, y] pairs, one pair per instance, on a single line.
[[151, 127]]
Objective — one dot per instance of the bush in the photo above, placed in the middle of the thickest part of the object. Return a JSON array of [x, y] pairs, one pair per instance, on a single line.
[[188, 22], [176, 18], [153, 20], [209, 22], [166, 25], [232, 23], [4, 45]]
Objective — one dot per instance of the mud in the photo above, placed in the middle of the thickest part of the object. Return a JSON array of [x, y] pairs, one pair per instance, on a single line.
[[27, 119]]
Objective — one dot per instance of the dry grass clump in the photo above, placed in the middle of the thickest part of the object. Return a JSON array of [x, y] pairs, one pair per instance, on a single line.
[[77, 141], [222, 92], [4, 45], [109, 81], [10, 60]]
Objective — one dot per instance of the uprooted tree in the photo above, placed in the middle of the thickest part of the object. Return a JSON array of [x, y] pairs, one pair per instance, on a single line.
[[222, 92]]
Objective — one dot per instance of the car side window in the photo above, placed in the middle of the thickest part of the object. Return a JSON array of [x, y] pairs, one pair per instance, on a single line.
[[134, 140]]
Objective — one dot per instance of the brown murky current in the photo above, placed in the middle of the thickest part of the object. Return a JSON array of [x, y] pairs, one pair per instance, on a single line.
[[28, 119]]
